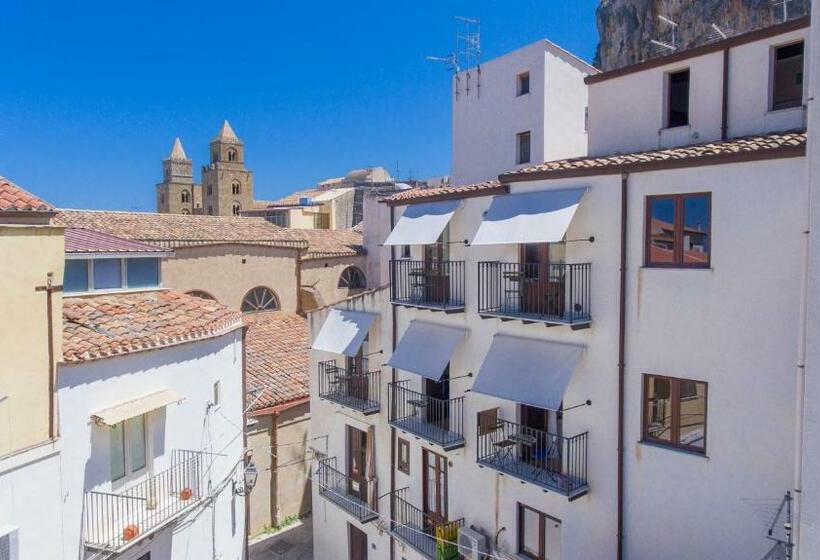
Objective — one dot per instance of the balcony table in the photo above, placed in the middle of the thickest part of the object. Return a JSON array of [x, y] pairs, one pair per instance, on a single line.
[[505, 449]]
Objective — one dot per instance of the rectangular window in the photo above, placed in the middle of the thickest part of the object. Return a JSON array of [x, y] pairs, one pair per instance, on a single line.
[[523, 83], [787, 77], [677, 102], [405, 251], [523, 147], [674, 412], [321, 221], [280, 218], [143, 273], [539, 535], [76, 276], [678, 230], [136, 442], [107, 274], [403, 456], [118, 451]]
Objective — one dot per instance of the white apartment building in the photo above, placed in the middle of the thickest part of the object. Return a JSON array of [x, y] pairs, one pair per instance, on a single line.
[[591, 357], [523, 108]]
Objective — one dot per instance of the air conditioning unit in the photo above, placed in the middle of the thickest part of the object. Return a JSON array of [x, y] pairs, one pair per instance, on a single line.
[[473, 545], [305, 201]]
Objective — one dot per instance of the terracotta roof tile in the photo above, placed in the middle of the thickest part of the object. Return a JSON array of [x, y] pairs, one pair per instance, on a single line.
[[324, 243], [420, 195], [277, 346], [109, 325], [78, 240], [14, 198]]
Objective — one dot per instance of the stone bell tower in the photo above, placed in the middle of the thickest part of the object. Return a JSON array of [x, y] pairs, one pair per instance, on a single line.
[[176, 194], [227, 186]]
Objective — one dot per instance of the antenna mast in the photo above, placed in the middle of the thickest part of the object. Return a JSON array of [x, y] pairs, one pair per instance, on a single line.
[[467, 53], [673, 45], [785, 8]]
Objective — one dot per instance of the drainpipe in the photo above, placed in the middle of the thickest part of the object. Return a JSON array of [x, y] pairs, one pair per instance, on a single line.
[[299, 254], [724, 122], [247, 498], [393, 380], [622, 364]]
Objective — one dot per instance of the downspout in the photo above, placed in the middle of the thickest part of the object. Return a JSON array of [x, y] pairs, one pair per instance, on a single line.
[[724, 122], [299, 254], [245, 431], [52, 432], [622, 363], [389, 397]]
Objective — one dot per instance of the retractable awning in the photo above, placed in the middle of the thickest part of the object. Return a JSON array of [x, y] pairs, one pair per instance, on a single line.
[[343, 332], [131, 409], [528, 371], [422, 224], [426, 349], [533, 217]]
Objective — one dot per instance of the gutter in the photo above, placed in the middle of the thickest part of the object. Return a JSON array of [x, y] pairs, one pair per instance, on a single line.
[[622, 363], [247, 499]]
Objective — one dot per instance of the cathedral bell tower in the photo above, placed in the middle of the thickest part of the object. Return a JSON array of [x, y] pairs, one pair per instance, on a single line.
[[175, 194], [227, 186]]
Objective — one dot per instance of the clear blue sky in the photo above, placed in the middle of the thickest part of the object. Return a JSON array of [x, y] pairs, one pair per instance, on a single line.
[[93, 93]]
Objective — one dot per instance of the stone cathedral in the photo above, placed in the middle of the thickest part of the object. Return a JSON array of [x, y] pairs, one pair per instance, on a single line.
[[227, 185]]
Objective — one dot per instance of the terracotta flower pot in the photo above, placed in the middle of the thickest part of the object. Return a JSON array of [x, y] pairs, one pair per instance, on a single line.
[[130, 532], [186, 494]]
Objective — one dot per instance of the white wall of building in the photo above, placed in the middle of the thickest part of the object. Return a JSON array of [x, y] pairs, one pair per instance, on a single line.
[[191, 370], [627, 113]]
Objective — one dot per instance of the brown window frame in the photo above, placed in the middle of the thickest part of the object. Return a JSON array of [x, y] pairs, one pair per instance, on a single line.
[[678, 261], [519, 160], [674, 396], [403, 465], [522, 83], [542, 531], [785, 105]]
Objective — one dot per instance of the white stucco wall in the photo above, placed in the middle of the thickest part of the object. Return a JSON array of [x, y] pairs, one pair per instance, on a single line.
[[191, 370], [627, 113]]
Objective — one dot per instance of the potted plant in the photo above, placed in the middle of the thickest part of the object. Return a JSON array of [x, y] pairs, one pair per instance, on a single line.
[[185, 494], [130, 532]]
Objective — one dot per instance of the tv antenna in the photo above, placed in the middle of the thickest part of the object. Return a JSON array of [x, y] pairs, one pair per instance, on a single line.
[[783, 8], [671, 46], [467, 53]]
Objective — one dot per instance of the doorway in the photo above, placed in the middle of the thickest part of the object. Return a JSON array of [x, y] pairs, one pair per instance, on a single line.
[[357, 540], [438, 411], [434, 488], [357, 463]]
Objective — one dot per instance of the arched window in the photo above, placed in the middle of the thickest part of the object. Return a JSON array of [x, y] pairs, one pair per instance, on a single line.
[[352, 278], [236, 187], [260, 299], [185, 196], [237, 208], [231, 155], [201, 294], [186, 211]]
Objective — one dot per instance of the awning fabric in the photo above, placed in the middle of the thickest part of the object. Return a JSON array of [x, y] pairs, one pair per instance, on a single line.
[[343, 332], [422, 224], [528, 371], [533, 217], [131, 409], [426, 349]]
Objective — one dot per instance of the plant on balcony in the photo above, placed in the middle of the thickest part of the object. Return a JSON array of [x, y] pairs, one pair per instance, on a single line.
[[446, 536], [130, 532], [185, 494]]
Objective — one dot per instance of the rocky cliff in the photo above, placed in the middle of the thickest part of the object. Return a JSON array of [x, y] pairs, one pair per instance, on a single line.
[[625, 27]]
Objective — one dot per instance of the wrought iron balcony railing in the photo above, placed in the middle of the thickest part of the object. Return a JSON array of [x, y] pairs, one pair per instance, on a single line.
[[115, 520], [434, 538], [437, 285], [439, 421], [356, 496], [548, 460], [353, 387], [552, 293]]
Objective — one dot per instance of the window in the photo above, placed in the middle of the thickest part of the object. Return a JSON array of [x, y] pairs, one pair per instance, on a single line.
[[185, 196], [210, 190], [9, 548], [677, 101], [136, 442], [280, 218], [236, 208], [107, 274], [260, 299], [236, 187], [352, 278], [210, 210], [75, 278], [523, 83], [405, 252], [321, 220], [185, 211], [787, 77], [523, 147], [128, 449], [217, 393], [143, 273], [231, 155], [403, 456], [118, 451], [678, 230], [201, 294], [674, 412], [539, 535]]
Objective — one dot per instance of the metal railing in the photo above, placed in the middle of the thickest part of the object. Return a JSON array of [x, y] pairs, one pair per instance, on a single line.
[[437, 420], [551, 461], [113, 520], [549, 292], [433, 284], [354, 495], [434, 538], [353, 387]]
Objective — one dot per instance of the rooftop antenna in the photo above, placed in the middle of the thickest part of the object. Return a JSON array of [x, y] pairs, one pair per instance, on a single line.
[[468, 48], [673, 45], [784, 4]]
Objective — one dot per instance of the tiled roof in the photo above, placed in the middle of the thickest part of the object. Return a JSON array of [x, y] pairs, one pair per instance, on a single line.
[[110, 325], [786, 144], [277, 346], [324, 243], [16, 199], [78, 240], [411, 196], [293, 198]]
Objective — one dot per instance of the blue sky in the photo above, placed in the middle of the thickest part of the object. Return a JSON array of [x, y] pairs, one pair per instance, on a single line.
[[93, 93]]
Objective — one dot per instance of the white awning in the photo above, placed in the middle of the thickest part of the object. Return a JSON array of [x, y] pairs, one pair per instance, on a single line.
[[131, 409], [426, 349], [343, 332], [422, 224], [533, 217], [528, 371]]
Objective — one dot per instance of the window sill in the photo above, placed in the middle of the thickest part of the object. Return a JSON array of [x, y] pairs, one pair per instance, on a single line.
[[673, 448], [676, 127], [674, 267], [782, 110], [114, 291]]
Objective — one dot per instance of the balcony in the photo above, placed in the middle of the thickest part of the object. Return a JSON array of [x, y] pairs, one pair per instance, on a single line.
[[550, 461], [355, 387], [439, 421], [550, 293], [114, 521], [350, 494], [433, 538], [436, 285]]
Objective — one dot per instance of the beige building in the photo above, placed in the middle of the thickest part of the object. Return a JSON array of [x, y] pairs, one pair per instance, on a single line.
[[309, 209]]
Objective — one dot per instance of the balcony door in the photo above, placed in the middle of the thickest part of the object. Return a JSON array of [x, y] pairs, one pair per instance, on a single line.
[[356, 381], [437, 285], [544, 447], [542, 292], [357, 463], [438, 411], [434, 481], [357, 540]]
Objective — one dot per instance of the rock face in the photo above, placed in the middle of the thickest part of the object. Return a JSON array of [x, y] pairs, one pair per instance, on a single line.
[[625, 27]]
